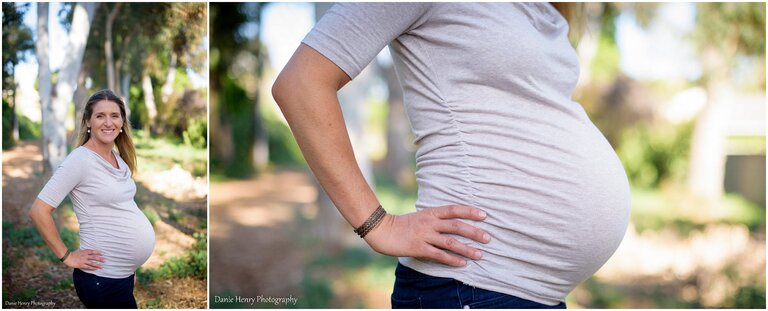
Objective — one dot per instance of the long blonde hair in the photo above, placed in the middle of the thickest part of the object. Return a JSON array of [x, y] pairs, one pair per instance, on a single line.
[[123, 141], [573, 12]]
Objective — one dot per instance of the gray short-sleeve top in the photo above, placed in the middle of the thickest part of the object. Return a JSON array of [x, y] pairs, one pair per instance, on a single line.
[[487, 89], [110, 220]]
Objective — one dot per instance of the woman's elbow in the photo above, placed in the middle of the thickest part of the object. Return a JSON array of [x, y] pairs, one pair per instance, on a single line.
[[278, 90], [38, 210]]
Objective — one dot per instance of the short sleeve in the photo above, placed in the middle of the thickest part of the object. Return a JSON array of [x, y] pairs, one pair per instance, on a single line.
[[66, 177], [352, 34]]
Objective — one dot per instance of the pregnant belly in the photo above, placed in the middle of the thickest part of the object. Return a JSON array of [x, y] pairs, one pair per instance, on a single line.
[[557, 208], [126, 238]]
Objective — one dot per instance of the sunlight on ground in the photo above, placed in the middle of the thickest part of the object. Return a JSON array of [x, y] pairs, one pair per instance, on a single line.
[[175, 183], [664, 253], [288, 187], [23, 153], [264, 215], [174, 244]]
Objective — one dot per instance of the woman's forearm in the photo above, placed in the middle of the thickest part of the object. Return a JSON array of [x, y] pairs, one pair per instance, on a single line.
[[42, 216], [309, 102]]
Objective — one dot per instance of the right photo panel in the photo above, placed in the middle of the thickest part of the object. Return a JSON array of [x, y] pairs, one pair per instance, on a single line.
[[487, 155]]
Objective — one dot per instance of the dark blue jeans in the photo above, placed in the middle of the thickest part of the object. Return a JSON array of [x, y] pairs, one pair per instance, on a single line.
[[104, 293], [415, 290]]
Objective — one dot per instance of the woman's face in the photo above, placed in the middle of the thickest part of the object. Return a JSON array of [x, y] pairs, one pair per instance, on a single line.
[[105, 122]]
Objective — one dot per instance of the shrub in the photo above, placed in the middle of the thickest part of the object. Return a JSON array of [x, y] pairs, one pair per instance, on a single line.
[[653, 154], [151, 214]]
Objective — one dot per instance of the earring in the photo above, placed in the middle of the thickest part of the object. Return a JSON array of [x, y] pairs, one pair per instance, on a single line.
[[89, 130], [121, 130]]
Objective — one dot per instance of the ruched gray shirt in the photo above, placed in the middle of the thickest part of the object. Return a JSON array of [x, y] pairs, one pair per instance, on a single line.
[[110, 220], [487, 89]]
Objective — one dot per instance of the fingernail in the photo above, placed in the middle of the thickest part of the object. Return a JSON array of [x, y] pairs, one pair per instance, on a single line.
[[463, 263], [482, 214], [478, 255], [487, 237]]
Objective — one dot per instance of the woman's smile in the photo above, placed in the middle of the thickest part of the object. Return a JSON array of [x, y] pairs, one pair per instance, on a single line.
[[105, 122]]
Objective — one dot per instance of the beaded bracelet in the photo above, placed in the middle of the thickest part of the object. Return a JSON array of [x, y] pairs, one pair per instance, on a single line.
[[65, 256], [371, 222]]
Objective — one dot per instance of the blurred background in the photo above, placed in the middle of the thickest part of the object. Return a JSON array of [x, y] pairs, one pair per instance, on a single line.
[[677, 88], [55, 55]]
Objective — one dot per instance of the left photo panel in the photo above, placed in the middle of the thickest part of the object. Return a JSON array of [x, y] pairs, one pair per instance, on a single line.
[[105, 158]]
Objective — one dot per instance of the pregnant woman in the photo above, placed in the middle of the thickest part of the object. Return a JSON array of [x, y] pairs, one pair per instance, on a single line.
[[520, 196], [115, 236]]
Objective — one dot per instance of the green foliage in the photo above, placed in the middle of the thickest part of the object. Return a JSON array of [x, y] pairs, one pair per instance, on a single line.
[[175, 215], [26, 236], [283, 149], [7, 261], [154, 304], [64, 284], [139, 115], [18, 40], [193, 264], [236, 111], [394, 199], [7, 126], [158, 154], [70, 238], [654, 210], [28, 129], [25, 295], [605, 65], [748, 297], [653, 154], [721, 24], [317, 293], [46, 254], [196, 133], [151, 214]]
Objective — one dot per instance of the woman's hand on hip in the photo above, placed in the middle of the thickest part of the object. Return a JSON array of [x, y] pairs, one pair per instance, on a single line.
[[424, 234], [85, 259]]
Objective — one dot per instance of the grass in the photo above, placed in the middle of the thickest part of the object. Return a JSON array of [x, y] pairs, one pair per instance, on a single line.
[[194, 263], [64, 284], [654, 209], [159, 154]]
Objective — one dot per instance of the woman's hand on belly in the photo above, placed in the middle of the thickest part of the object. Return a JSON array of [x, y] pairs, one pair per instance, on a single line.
[[85, 259], [424, 234]]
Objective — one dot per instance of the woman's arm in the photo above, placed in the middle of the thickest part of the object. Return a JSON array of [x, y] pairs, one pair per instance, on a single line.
[[306, 93], [42, 215]]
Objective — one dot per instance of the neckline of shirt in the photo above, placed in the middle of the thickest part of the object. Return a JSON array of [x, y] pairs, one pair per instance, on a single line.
[[119, 171]]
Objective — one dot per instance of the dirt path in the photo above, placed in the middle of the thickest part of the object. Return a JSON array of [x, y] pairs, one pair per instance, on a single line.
[[251, 229], [29, 276], [263, 245]]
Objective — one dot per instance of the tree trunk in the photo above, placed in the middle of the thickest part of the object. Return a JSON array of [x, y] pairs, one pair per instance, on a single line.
[[149, 101], [167, 89], [260, 137], [108, 46], [44, 85], [706, 173], [65, 86], [14, 118], [125, 87], [81, 96]]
